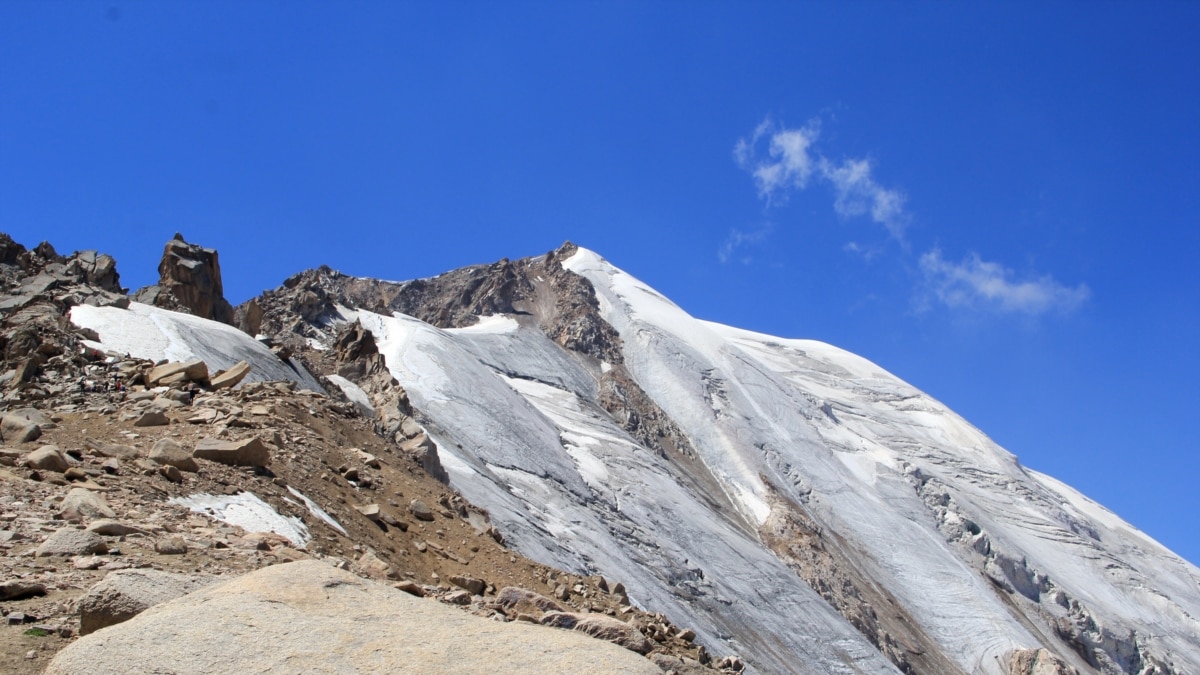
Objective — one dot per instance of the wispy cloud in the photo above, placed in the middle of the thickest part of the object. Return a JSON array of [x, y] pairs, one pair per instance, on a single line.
[[979, 284], [783, 161], [790, 160], [788, 163], [858, 194], [738, 239]]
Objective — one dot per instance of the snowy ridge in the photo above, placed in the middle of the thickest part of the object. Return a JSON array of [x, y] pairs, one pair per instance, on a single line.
[[148, 332]]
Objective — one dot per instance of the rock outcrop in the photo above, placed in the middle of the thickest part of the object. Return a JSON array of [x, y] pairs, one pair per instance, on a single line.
[[320, 619], [189, 281]]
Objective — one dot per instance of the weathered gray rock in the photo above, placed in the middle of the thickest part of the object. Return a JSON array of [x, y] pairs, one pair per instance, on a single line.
[[471, 584], [313, 617], [113, 528], [679, 666], [246, 452], [110, 449], [33, 415], [47, 458], [369, 510], [69, 541], [168, 451], [152, 418], [524, 600], [1037, 662], [17, 589], [173, 545], [18, 429], [602, 627], [420, 510], [82, 503], [231, 377], [411, 587], [124, 594], [175, 372], [457, 598]]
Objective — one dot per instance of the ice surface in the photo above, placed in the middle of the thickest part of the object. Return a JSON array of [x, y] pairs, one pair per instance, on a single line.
[[569, 487], [857, 445], [148, 332]]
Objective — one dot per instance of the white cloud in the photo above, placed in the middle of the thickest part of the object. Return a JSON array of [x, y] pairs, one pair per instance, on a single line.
[[788, 163], [976, 283], [740, 238], [858, 194]]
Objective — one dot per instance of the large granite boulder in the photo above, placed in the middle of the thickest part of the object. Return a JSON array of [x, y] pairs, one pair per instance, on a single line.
[[310, 617]]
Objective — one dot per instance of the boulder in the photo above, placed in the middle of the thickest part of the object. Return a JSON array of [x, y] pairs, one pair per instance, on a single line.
[[47, 458], [231, 377], [152, 418], [33, 415], [471, 584], [175, 372], [420, 510], [246, 452], [524, 600], [112, 528], [1038, 662], [82, 503], [316, 618], [373, 566], [110, 449], [17, 589], [601, 627], [169, 452], [423, 450], [124, 594], [18, 429], [69, 541], [173, 545], [678, 665]]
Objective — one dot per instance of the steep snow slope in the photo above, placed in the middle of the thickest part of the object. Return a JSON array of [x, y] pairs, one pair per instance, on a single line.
[[898, 474], [961, 554], [148, 332], [517, 432]]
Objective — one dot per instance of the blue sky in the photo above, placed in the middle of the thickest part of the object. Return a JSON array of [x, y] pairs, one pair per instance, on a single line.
[[995, 201]]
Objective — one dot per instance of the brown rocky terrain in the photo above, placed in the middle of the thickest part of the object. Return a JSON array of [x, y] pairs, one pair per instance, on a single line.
[[101, 452]]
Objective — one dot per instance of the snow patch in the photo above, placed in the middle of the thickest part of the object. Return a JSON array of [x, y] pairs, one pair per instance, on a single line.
[[317, 511], [152, 333], [248, 512], [492, 324], [355, 393]]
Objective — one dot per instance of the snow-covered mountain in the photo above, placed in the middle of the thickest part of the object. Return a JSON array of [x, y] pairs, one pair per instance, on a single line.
[[794, 503]]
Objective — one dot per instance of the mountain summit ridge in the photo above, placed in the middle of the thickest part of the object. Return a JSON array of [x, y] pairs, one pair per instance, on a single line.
[[1003, 542]]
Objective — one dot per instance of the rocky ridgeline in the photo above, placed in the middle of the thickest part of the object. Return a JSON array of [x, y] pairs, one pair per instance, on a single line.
[[121, 482]]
